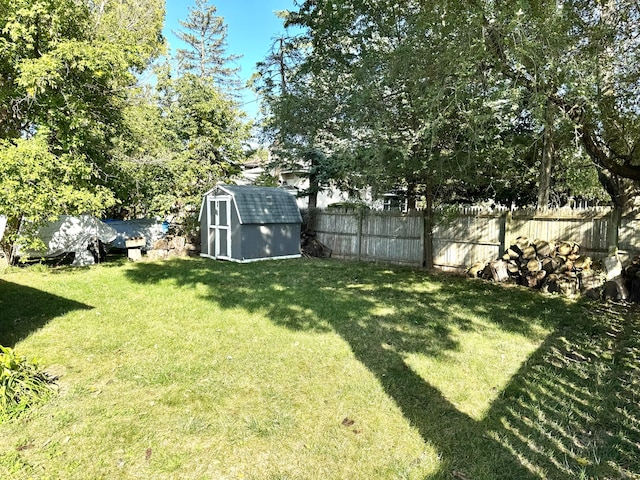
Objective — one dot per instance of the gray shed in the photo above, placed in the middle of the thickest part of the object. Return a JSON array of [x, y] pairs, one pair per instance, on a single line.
[[247, 223]]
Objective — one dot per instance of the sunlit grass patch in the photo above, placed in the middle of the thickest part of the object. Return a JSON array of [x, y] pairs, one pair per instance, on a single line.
[[313, 370]]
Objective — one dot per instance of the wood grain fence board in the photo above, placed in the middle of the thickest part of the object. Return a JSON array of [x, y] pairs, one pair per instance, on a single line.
[[591, 234], [392, 238], [393, 226], [339, 232], [467, 239], [337, 222], [629, 234], [402, 250], [484, 230], [342, 246], [459, 256], [473, 235]]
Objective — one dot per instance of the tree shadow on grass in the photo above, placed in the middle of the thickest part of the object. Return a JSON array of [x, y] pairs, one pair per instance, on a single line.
[[571, 410], [24, 310]]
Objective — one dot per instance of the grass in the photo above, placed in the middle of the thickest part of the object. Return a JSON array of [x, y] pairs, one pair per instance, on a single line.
[[309, 369]]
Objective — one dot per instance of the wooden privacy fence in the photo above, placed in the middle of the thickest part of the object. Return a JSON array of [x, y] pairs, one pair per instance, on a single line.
[[460, 237]]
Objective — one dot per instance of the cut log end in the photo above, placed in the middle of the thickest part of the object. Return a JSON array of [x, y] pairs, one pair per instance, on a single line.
[[552, 267]]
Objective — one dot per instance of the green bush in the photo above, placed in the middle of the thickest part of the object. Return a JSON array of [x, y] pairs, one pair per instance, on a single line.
[[22, 384]]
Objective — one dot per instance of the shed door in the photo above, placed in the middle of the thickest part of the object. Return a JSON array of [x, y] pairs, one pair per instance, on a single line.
[[220, 226]]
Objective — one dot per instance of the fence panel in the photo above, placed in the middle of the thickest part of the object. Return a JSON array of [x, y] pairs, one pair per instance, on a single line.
[[339, 231], [629, 236], [466, 239], [469, 236], [589, 229], [393, 238]]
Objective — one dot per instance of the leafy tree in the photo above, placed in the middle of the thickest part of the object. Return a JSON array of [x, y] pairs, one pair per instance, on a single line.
[[37, 185], [467, 99], [291, 112], [184, 134], [141, 179], [63, 87], [580, 56], [367, 99], [182, 138], [23, 41], [134, 25], [296, 128], [209, 133]]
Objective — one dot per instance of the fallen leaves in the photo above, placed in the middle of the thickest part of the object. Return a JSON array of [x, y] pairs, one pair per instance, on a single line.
[[348, 422]]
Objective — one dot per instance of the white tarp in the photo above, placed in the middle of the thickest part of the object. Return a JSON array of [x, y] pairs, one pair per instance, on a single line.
[[3, 224], [74, 234], [151, 230]]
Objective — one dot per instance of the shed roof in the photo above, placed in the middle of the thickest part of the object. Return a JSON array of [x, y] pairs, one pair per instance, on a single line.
[[262, 205]]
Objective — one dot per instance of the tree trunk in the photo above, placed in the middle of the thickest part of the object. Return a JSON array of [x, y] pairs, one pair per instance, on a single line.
[[546, 164], [411, 197], [313, 200], [624, 194], [8, 242], [314, 187], [428, 227]]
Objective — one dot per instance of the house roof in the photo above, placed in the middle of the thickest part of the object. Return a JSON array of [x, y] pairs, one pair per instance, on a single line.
[[262, 205]]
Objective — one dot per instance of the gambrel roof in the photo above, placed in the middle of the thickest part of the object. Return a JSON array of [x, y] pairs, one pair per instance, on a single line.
[[261, 205]]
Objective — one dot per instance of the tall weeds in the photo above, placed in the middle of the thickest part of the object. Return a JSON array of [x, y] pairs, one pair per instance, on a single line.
[[22, 384]]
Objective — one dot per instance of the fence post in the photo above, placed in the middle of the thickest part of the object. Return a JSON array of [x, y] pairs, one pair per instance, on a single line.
[[505, 237], [427, 238], [359, 235]]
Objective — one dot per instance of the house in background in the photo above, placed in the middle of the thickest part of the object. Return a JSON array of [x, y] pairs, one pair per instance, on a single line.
[[293, 181], [245, 223]]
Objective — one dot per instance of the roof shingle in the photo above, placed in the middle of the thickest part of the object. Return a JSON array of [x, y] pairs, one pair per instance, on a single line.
[[263, 205]]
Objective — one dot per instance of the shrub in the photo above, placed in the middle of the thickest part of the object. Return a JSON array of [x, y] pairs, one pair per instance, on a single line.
[[22, 384]]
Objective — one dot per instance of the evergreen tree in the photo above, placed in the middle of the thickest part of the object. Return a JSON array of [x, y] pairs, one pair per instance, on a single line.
[[205, 34]]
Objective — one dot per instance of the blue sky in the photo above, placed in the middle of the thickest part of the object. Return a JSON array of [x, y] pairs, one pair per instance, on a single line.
[[252, 27]]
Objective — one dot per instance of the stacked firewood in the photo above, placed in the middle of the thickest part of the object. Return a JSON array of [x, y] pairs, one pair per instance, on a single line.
[[551, 267]]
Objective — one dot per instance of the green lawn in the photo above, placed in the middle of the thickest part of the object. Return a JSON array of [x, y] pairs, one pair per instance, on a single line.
[[308, 369]]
